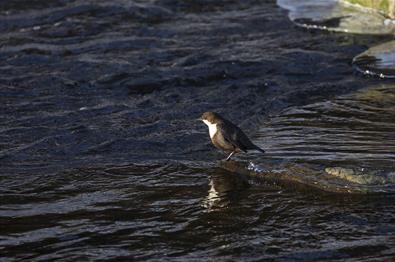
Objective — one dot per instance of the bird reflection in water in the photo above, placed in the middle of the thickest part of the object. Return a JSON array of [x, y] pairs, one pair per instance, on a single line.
[[225, 188]]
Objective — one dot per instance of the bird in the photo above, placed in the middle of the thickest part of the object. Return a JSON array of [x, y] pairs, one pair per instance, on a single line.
[[227, 136]]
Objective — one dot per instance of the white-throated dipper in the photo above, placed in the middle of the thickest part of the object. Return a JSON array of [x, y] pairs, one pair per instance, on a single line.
[[227, 136]]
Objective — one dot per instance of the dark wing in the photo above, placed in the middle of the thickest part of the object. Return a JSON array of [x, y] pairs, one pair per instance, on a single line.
[[235, 136]]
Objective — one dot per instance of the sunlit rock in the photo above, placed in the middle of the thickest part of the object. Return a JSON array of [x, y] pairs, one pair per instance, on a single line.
[[350, 175], [385, 6]]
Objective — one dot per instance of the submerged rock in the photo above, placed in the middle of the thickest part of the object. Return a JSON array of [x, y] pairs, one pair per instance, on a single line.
[[377, 61], [310, 178], [355, 176]]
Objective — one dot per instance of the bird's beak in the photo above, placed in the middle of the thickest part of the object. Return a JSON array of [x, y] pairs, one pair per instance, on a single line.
[[198, 119]]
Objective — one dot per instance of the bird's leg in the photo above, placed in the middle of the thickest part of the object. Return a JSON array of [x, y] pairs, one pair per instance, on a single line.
[[231, 154]]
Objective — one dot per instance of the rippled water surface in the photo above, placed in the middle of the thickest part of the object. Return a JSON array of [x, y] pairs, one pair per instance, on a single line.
[[174, 211], [354, 130], [101, 157]]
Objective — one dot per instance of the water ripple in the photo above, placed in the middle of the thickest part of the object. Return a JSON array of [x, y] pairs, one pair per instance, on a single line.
[[354, 130]]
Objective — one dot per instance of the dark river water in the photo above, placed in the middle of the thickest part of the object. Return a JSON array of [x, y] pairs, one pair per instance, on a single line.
[[101, 157]]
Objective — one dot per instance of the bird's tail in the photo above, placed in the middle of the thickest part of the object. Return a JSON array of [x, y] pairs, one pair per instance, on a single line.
[[259, 149]]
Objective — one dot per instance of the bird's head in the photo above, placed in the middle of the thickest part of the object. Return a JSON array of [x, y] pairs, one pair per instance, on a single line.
[[210, 118]]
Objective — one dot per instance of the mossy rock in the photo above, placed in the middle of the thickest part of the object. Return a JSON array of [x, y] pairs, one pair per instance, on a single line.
[[385, 6]]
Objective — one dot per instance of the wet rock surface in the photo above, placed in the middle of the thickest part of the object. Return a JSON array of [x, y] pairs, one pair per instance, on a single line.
[[308, 178], [361, 177]]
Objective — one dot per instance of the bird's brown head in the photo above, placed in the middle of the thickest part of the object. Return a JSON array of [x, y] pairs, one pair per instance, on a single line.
[[211, 117]]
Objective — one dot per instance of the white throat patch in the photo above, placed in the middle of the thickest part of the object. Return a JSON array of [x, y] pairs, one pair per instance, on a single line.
[[212, 128]]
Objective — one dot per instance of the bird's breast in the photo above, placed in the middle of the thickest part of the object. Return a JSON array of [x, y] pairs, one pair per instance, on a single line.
[[212, 129]]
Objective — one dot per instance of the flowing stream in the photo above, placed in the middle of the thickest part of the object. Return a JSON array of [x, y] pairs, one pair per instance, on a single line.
[[101, 157]]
